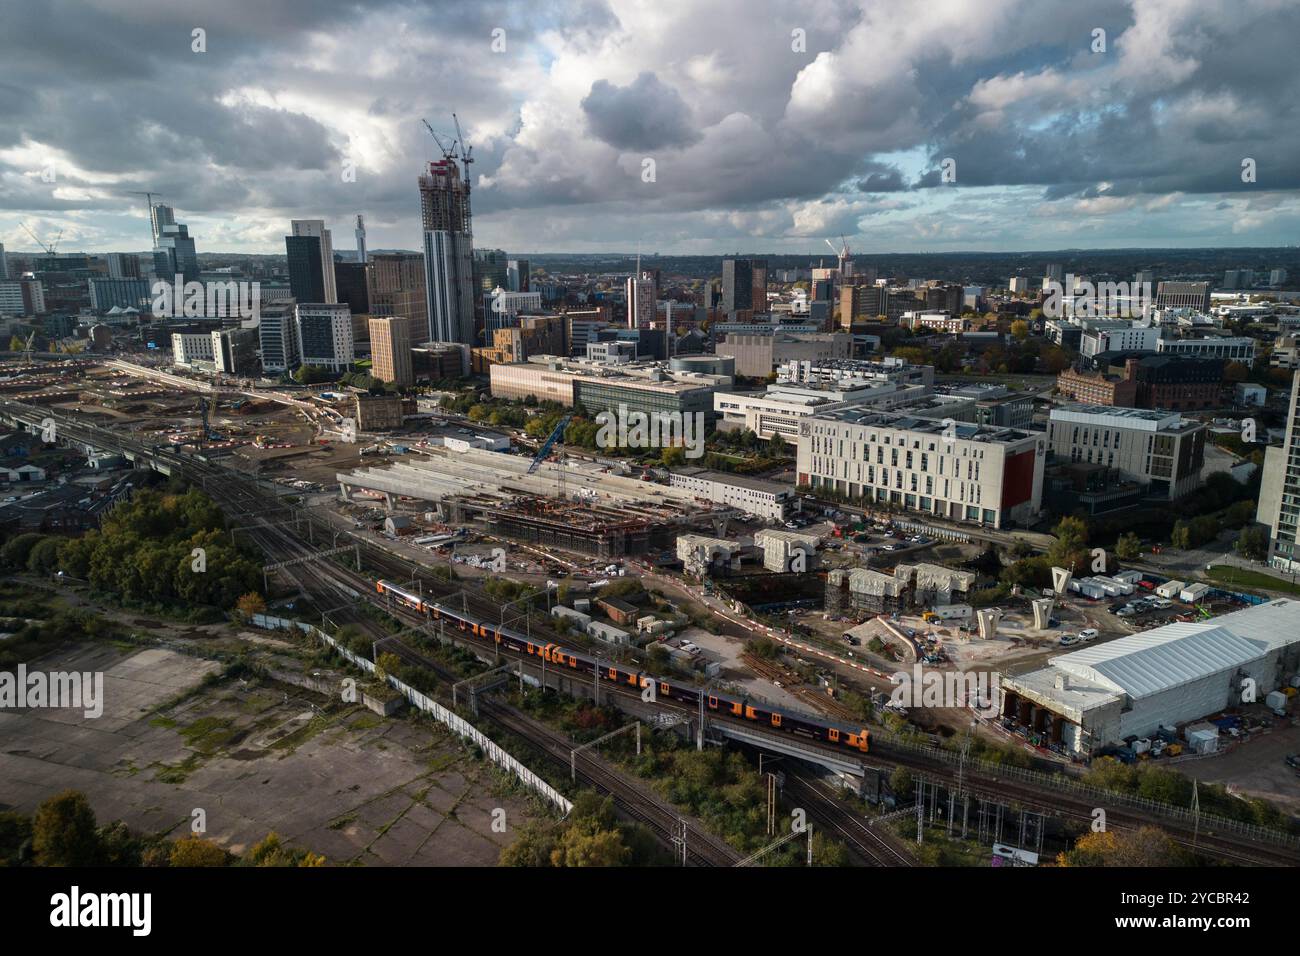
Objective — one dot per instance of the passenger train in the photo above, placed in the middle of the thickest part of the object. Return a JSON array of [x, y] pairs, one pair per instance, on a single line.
[[858, 739]]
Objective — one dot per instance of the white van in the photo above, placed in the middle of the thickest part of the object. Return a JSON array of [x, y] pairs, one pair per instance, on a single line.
[[1088, 633]]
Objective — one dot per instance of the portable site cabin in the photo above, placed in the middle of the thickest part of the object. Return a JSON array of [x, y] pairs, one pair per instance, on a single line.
[[1193, 593], [1128, 577], [1170, 589]]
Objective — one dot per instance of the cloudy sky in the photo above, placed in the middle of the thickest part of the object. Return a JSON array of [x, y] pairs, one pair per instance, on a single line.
[[770, 125]]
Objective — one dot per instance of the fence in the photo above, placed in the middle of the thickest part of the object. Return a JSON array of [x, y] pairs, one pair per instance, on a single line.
[[1099, 797], [421, 702]]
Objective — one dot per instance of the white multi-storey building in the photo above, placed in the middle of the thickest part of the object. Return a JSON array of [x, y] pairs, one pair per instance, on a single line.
[[324, 333], [1239, 349], [767, 499], [1161, 451], [960, 472], [189, 349]]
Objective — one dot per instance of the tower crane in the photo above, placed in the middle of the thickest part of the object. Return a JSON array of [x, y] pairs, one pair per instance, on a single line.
[[447, 152], [50, 247], [466, 151], [148, 198], [555, 436]]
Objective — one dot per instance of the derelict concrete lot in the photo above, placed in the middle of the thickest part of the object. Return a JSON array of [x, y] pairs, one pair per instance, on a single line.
[[256, 757]]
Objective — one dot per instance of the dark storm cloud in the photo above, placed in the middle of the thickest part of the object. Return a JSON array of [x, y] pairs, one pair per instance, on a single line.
[[645, 114]]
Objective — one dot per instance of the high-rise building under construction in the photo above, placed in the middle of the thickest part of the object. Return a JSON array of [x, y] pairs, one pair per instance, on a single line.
[[448, 252]]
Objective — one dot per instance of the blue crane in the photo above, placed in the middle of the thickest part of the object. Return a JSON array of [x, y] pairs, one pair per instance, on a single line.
[[546, 445]]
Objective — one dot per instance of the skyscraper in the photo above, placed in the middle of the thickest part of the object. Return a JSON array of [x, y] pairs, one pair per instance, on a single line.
[[4, 263], [316, 228], [448, 253], [362, 256], [517, 275], [160, 215], [390, 350], [758, 274], [738, 285], [173, 252], [641, 297], [1279, 491], [306, 273], [121, 265]]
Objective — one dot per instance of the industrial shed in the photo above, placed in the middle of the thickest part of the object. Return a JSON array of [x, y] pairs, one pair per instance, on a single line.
[[1166, 676]]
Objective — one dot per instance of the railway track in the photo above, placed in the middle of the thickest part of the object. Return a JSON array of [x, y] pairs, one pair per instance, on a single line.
[[1227, 847], [861, 839], [1056, 802], [702, 847]]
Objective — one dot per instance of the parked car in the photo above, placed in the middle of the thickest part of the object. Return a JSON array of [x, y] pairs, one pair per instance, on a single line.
[[1088, 633], [1069, 640]]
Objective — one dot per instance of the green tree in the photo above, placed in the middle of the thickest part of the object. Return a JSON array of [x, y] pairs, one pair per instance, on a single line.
[[1252, 543], [1128, 547], [64, 833]]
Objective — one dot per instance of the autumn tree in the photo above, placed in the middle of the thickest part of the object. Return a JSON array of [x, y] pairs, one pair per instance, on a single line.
[[193, 851], [1145, 846], [63, 831], [250, 604]]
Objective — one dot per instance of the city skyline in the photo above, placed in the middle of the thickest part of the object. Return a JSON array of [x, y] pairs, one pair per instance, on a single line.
[[769, 127]]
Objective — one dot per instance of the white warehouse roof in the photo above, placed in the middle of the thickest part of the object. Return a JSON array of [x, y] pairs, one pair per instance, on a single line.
[[1166, 657]]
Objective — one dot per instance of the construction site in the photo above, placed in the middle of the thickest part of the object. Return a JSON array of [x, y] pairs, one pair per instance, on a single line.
[[581, 507]]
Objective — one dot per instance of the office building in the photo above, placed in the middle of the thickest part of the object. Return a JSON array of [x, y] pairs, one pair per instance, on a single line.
[[1183, 295], [502, 306], [1118, 337], [234, 351], [22, 297], [390, 350], [353, 286], [121, 265], [1161, 451], [962, 472], [758, 355], [315, 229], [306, 268], [767, 499], [737, 286], [123, 293], [517, 277], [278, 337], [360, 232], [174, 253], [448, 246], [1231, 349], [1279, 492], [491, 271]]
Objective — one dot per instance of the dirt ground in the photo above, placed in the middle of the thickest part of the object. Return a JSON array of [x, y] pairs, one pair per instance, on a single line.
[[257, 757], [1256, 767]]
